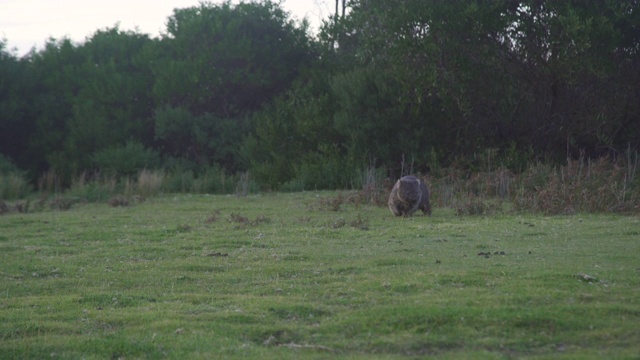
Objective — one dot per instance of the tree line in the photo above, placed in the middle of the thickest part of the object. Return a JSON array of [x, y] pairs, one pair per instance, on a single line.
[[404, 85]]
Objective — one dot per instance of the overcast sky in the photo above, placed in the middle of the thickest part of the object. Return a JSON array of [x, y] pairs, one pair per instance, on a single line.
[[28, 23]]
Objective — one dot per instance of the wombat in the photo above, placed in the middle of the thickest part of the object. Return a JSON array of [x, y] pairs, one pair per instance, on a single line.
[[408, 195]]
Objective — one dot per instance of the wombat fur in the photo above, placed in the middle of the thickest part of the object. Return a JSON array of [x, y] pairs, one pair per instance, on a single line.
[[408, 195]]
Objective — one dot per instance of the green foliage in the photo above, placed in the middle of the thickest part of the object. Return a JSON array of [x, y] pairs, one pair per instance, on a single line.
[[68, 102], [14, 186], [180, 181], [324, 171], [218, 64], [207, 180], [295, 126], [205, 139], [7, 166], [87, 98], [366, 114], [90, 188], [13, 182], [16, 111], [229, 59], [126, 160], [491, 75], [113, 102]]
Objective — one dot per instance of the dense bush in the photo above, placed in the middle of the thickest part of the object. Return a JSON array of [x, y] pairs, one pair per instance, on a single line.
[[126, 160]]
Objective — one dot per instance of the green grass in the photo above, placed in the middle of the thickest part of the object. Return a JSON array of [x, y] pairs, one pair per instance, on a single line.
[[280, 276]]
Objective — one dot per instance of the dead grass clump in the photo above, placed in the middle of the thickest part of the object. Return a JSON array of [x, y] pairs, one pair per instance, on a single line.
[[61, 203], [331, 203], [338, 223], [372, 193], [149, 182], [118, 201], [582, 185], [475, 205], [22, 206], [360, 223], [138, 199], [375, 188], [4, 208], [446, 189], [243, 221], [184, 228], [237, 218], [215, 216], [453, 189], [42, 201], [494, 184], [302, 220], [260, 219], [243, 185], [49, 182]]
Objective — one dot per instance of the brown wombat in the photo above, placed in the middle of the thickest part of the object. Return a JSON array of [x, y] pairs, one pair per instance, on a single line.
[[408, 195]]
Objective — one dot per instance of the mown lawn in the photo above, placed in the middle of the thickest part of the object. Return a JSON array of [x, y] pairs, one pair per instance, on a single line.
[[278, 276]]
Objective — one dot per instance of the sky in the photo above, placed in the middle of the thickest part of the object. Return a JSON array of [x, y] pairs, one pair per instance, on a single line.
[[25, 24]]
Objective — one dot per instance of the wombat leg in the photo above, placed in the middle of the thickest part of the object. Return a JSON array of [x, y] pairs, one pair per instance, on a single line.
[[396, 211]]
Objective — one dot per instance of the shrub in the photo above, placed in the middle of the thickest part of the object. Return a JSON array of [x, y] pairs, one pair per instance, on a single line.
[[178, 181], [13, 186], [126, 160], [294, 185], [214, 180], [319, 172], [13, 182]]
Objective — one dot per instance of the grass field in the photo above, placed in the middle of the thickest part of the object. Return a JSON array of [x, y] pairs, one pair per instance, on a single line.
[[277, 276]]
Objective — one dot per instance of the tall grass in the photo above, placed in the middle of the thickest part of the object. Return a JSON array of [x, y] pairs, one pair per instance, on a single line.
[[149, 183], [211, 180], [13, 186], [582, 185], [49, 182], [93, 187], [579, 185], [98, 187], [13, 183]]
